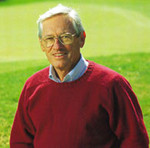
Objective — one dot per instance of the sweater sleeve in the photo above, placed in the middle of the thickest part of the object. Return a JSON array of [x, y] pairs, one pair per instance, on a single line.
[[126, 119], [22, 130]]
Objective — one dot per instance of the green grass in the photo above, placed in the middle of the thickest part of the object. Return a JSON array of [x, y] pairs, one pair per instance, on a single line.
[[118, 34]]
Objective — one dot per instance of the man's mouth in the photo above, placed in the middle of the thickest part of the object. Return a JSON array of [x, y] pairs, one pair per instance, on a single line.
[[58, 55]]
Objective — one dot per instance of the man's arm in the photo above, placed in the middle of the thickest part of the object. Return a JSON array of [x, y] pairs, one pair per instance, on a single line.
[[126, 119], [22, 129]]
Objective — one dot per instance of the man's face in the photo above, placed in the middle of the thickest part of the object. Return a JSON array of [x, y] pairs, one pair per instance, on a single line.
[[62, 57]]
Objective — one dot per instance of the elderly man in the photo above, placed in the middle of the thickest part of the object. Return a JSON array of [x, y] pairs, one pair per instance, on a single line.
[[75, 103]]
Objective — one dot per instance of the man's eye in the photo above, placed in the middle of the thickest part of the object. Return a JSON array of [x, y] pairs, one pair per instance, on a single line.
[[49, 39], [65, 37]]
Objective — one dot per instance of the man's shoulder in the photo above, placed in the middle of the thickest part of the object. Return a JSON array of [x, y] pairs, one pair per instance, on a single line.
[[102, 70], [105, 74], [38, 78]]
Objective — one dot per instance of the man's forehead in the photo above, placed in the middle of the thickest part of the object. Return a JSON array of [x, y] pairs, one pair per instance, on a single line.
[[59, 18], [58, 24]]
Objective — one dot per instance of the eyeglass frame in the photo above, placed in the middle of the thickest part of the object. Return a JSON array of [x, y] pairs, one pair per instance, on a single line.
[[58, 37]]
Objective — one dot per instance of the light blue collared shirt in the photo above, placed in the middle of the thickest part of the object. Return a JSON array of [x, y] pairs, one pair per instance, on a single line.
[[74, 74]]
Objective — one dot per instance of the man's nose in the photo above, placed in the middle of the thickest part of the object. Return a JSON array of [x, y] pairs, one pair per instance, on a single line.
[[57, 44]]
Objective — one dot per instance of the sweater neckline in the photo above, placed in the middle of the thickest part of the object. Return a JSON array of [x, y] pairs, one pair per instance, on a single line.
[[82, 78]]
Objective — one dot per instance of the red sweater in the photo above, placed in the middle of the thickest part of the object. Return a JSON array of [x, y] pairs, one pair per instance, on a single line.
[[99, 110]]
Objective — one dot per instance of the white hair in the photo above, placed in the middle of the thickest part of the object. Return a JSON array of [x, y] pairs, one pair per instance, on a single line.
[[60, 9]]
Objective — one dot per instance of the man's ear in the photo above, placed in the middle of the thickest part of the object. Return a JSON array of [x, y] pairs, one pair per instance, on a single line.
[[82, 39], [43, 49]]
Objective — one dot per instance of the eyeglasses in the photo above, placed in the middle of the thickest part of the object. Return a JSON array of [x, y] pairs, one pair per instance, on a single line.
[[65, 39]]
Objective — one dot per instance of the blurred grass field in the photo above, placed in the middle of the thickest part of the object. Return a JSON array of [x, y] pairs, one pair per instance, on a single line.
[[110, 29], [118, 34]]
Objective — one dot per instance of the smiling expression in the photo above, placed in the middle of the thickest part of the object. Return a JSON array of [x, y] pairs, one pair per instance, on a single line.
[[62, 57]]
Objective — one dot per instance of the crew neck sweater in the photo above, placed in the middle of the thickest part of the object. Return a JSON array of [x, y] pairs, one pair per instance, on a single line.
[[98, 110]]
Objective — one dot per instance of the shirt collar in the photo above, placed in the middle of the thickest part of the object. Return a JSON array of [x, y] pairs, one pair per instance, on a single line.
[[74, 74]]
